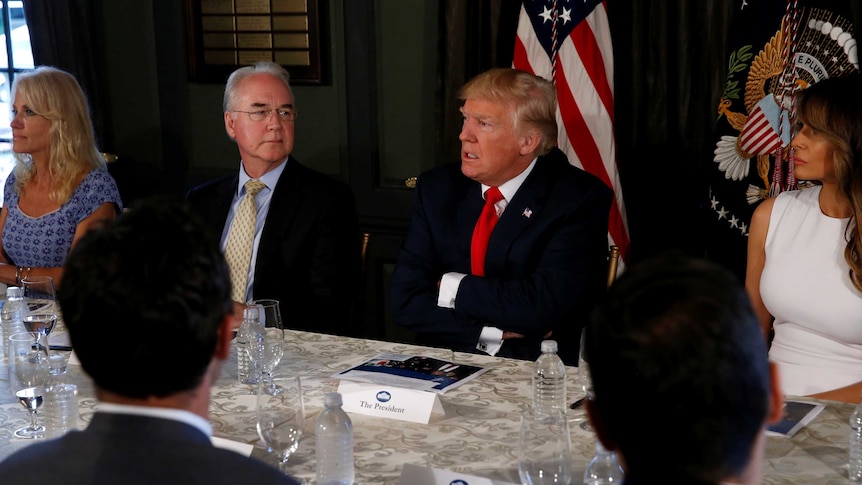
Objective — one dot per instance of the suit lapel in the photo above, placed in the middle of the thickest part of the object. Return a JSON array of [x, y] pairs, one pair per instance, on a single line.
[[224, 197], [283, 207], [468, 211], [519, 215]]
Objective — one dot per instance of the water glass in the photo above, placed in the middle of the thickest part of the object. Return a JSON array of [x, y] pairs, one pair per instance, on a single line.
[[281, 417], [58, 361], [544, 449], [28, 375], [28, 359], [266, 351], [42, 309]]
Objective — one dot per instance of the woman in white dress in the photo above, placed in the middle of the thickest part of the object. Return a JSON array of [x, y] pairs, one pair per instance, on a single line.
[[804, 268]]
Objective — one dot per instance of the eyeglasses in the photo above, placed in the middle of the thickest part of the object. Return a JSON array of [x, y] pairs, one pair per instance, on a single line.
[[284, 114]]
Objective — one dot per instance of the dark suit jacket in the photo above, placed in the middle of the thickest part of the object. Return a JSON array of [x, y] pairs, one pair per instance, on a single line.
[[664, 476], [131, 450], [544, 269], [309, 257]]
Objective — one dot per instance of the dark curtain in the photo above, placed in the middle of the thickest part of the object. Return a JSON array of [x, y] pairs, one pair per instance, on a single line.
[[475, 36], [63, 35], [669, 72]]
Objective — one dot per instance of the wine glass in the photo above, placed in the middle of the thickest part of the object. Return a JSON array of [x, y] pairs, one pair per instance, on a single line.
[[584, 378], [266, 351], [41, 308], [28, 374], [281, 417], [545, 449]]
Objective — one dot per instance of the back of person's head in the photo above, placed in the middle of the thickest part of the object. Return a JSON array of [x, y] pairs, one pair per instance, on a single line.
[[261, 67], [534, 100], [56, 95], [143, 298], [676, 351]]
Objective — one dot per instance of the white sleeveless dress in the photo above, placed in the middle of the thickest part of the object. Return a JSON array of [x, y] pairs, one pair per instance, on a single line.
[[806, 287]]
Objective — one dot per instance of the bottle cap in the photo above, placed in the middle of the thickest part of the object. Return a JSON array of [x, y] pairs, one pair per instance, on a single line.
[[549, 345], [14, 291], [331, 399], [251, 313]]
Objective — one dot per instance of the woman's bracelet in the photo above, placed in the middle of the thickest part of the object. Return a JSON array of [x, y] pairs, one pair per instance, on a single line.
[[18, 276]]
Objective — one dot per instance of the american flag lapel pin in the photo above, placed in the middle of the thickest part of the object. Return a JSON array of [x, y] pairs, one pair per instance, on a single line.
[[527, 212]]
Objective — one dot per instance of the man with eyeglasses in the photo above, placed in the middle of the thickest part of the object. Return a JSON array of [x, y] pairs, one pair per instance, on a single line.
[[302, 228]]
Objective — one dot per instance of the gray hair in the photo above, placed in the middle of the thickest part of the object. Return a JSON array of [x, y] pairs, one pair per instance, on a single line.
[[262, 67]]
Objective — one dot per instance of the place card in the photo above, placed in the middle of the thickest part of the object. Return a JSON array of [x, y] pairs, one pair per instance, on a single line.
[[244, 449], [390, 402], [420, 475], [797, 414]]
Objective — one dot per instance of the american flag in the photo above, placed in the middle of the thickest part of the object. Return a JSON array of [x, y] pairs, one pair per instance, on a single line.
[[570, 44]]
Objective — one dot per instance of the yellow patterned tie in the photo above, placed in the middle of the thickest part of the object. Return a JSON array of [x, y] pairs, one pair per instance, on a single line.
[[240, 240]]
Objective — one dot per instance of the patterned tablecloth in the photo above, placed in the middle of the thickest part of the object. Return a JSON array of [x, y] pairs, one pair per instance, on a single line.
[[478, 436]]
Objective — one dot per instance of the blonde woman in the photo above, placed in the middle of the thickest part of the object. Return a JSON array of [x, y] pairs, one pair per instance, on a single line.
[[60, 186]]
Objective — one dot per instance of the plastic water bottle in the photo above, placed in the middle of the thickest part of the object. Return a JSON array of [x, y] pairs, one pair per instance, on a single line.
[[248, 330], [549, 381], [855, 468], [61, 403], [11, 316], [604, 469], [334, 440]]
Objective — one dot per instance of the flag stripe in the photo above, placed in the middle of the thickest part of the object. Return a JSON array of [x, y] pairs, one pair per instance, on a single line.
[[758, 137], [584, 81], [590, 53], [578, 133]]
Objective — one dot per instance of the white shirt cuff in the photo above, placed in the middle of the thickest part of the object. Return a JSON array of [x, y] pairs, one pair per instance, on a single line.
[[449, 284], [490, 340]]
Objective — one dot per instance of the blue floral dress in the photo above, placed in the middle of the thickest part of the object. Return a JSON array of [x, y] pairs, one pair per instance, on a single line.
[[44, 242]]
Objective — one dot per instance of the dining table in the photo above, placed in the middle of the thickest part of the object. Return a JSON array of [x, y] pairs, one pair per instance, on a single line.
[[475, 436]]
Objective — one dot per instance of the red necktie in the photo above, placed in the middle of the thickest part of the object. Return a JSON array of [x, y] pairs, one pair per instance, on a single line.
[[482, 231]]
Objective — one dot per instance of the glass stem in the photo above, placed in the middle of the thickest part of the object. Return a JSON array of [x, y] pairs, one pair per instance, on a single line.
[[270, 384], [282, 464]]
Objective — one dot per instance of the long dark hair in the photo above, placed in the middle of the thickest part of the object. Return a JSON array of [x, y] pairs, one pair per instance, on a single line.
[[833, 107]]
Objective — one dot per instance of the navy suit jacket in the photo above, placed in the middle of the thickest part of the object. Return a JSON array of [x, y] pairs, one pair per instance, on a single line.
[[544, 269], [131, 450], [309, 253]]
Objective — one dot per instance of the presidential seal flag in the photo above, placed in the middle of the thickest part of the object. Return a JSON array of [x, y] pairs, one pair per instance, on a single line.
[[777, 47], [569, 43]]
